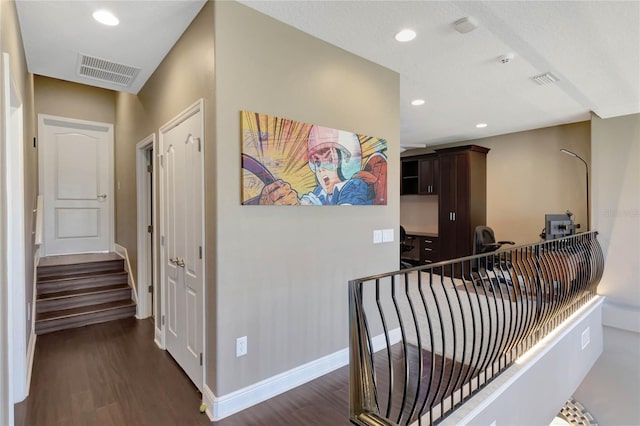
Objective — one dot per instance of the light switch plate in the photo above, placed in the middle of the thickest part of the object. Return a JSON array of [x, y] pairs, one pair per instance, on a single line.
[[241, 346], [387, 235], [377, 236]]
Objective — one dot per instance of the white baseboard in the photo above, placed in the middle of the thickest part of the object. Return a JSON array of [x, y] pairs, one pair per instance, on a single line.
[[158, 337], [122, 251], [208, 398], [31, 350], [226, 405], [31, 345]]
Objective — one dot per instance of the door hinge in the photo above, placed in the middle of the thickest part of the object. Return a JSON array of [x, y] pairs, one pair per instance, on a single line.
[[200, 251], [150, 289], [161, 160], [162, 240], [150, 229], [163, 320], [200, 358]]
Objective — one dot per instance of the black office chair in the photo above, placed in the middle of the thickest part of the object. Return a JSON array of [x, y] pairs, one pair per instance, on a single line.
[[485, 242], [405, 246]]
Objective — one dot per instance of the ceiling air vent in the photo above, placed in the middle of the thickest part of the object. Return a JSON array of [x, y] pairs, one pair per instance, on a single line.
[[545, 78], [103, 70]]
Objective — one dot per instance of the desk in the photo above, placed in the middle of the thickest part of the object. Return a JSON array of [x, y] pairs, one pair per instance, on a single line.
[[425, 248]]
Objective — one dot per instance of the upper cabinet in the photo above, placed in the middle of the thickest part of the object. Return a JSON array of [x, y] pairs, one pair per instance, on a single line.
[[428, 170], [409, 176], [419, 175]]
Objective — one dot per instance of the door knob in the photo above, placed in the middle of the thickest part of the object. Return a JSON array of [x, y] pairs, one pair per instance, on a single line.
[[102, 196], [178, 262]]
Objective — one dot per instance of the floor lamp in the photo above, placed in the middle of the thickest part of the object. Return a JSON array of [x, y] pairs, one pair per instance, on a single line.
[[586, 166]]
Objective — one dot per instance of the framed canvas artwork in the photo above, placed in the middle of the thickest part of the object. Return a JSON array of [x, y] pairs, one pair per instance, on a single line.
[[288, 162]]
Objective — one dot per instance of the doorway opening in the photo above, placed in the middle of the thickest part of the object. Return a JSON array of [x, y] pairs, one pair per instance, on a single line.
[[146, 240]]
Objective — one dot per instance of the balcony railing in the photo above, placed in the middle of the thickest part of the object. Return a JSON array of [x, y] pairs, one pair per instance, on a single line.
[[424, 340]]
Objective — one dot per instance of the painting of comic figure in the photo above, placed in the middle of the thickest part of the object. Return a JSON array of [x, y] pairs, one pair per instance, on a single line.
[[317, 166]]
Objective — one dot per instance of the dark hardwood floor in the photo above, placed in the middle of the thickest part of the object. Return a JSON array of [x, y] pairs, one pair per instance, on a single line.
[[114, 374]]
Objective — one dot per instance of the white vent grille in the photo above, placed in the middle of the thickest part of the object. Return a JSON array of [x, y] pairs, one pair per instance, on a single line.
[[545, 78], [103, 70]]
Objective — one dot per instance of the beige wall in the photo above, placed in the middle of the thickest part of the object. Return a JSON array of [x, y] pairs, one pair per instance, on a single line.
[[11, 43], [615, 145], [528, 176], [184, 76], [616, 206], [74, 100], [283, 271]]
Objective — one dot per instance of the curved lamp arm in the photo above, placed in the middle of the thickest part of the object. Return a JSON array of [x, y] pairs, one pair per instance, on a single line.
[[573, 154]]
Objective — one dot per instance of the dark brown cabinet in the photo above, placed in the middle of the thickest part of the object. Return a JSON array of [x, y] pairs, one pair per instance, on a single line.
[[462, 201], [409, 176], [424, 251], [428, 175], [419, 175]]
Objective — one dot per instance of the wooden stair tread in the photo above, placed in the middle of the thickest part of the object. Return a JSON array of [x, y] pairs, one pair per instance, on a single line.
[[82, 291], [66, 313], [75, 259], [67, 277]]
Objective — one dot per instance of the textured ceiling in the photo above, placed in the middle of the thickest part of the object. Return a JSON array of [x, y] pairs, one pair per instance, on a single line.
[[593, 47]]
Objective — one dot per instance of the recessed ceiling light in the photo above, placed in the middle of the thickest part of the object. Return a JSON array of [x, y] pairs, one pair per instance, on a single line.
[[481, 125], [417, 102], [406, 35], [105, 17]]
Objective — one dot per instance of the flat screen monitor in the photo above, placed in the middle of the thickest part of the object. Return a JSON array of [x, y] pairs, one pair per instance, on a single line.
[[558, 226]]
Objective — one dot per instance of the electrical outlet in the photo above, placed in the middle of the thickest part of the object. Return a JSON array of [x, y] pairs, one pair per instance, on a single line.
[[586, 337], [241, 346]]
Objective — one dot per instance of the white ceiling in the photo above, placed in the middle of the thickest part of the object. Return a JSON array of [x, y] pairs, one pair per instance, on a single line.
[[593, 47], [55, 32]]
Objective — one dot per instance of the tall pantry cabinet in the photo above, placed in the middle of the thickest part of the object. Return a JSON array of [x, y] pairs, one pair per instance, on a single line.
[[462, 198]]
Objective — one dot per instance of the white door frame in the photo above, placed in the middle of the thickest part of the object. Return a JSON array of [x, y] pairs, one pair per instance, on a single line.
[[6, 405], [198, 106], [15, 234], [144, 194], [81, 124]]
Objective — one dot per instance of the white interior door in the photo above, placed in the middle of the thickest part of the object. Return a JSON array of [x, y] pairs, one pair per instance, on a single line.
[[182, 189], [76, 182]]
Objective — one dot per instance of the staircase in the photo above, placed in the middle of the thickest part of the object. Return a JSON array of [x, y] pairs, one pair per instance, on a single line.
[[81, 289]]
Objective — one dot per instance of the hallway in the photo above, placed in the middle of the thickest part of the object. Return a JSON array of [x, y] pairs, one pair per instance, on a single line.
[[114, 374]]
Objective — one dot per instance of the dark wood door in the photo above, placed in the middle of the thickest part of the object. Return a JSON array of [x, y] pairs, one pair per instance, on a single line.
[[453, 224], [461, 216], [447, 205], [428, 182]]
